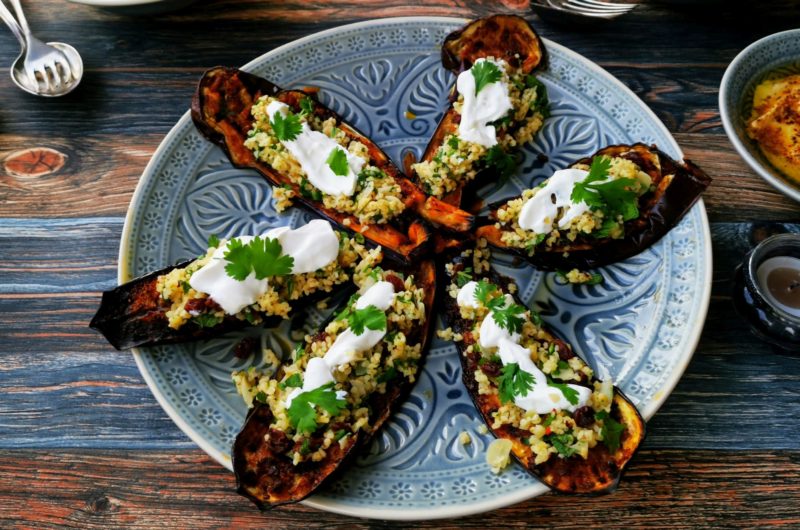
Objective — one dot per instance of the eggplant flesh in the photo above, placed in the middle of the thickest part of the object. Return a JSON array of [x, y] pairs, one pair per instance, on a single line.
[[268, 477], [601, 471], [221, 112], [678, 185], [134, 314]]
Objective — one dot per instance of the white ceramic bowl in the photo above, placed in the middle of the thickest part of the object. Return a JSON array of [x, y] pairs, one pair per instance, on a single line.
[[775, 53]]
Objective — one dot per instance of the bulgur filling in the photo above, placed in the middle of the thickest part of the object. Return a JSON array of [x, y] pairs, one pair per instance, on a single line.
[[597, 206], [190, 305], [458, 160], [376, 198], [310, 417], [579, 418]]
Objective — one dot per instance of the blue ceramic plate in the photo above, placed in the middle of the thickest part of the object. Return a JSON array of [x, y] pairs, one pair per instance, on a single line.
[[774, 55], [640, 326]]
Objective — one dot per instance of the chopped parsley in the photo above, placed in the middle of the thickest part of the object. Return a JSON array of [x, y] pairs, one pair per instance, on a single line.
[[507, 316], [562, 443], [514, 381], [286, 128], [302, 412], [307, 106], [299, 351], [501, 161], [549, 419], [595, 278], [341, 433], [612, 430], [261, 397], [213, 241], [388, 375], [614, 197], [308, 191], [337, 161], [542, 103], [293, 381], [261, 256], [370, 317], [489, 359], [570, 393], [464, 277], [206, 320], [485, 73]]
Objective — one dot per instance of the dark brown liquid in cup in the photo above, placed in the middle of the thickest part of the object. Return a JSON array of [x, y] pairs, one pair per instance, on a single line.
[[784, 285]]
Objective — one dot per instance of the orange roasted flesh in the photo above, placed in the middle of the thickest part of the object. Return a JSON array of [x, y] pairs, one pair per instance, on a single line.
[[601, 470], [677, 186], [221, 111], [267, 476], [775, 123]]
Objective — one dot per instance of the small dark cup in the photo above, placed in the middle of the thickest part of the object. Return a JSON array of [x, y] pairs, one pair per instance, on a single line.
[[770, 323]]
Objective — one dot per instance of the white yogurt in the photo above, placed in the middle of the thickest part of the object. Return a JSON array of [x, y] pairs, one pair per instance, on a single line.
[[312, 149], [466, 295], [540, 211], [478, 110], [317, 374]]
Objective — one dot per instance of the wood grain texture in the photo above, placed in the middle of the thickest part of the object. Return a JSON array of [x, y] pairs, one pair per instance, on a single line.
[[127, 489]]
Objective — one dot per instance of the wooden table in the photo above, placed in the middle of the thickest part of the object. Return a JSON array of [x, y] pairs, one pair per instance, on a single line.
[[84, 443]]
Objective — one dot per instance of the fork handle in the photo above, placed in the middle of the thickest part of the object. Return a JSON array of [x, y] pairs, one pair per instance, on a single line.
[[23, 22], [11, 22]]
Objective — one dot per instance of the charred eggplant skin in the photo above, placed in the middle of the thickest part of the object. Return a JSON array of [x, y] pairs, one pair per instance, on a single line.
[[660, 211], [221, 112], [601, 471], [269, 479], [133, 314]]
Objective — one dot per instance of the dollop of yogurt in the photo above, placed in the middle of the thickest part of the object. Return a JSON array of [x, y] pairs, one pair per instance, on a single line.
[[466, 295], [317, 373], [479, 110], [540, 211], [312, 149], [312, 246]]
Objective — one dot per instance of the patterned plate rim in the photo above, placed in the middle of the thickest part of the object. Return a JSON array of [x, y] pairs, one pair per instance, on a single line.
[[443, 511]]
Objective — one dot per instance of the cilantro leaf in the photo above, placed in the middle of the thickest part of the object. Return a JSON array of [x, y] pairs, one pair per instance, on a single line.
[[286, 128], [484, 291], [261, 397], [206, 320], [570, 393], [502, 162], [337, 161], [606, 229], [306, 106], [509, 317], [302, 412], [213, 241], [514, 381], [370, 317], [612, 430], [261, 256], [463, 277], [613, 196], [485, 73], [293, 381], [562, 443]]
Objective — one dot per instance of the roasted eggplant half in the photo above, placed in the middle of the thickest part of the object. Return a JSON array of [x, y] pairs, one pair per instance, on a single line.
[[201, 298], [568, 429], [311, 155], [497, 104], [340, 386], [602, 209]]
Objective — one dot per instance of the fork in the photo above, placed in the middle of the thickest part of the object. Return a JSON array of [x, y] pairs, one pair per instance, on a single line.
[[586, 8], [43, 62]]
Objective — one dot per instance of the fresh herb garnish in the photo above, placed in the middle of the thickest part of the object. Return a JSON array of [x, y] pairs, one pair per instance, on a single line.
[[570, 393], [302, 412], [615, 196], [260, 256], [337, 161], [307, 106], [370, 317], [213, 241], [206, 320], [509, 317], [612, 430], [452, 142], [464, 277], [293, 381], [549, 419], [542, 103], [261, 397], [484, 291], [388, 375], [536, 319], [595, 278], [562, 443], [186, 286], [485, 72], [489, 359], [305, 448], [286, 128], [502, 162], [514, 381], [341, 433]]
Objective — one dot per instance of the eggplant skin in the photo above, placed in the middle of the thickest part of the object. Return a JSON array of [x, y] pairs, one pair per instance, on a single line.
[[660, 211], [270, 479], [133, 314], [601, 471], [221, 112], [507, 37]]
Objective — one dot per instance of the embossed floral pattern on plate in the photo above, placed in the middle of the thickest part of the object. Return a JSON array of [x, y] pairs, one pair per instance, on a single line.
[[640, 325]]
